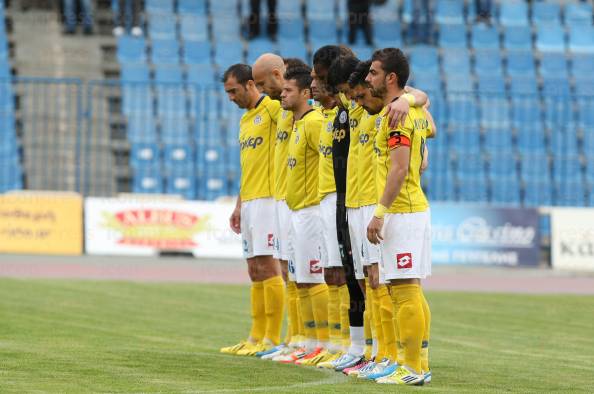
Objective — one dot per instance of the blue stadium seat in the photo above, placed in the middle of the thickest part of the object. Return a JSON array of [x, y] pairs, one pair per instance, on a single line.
[[517, 38], [550, 38], [462, 112], [570, 193], [585, 103], [145, 155], [178, 157], [194, 27], [191, 7], [181, 182], [531, 138], [289, 9], [492, 86], [553, 65], [567, 168], [223, 8], [449, 12], [469, 164], [563, 143], [424, 58], [456, 62], [387, 34], [582, 65], [488, 63], [167, 73], [362, 51], [141, 128], [526, 112], [226, 29], [213, 185], [165, 52], [316, 9], [6, 98], [537, 192], [292, 29], [441, 187], [581, 39], [578, 14], [498, 142], [534, 166], [452, 37], [484, 37], [457, 83], [429, 82], [556, 98], [228, 54], [495, 110], [147, 181], [523, 86], [472, 188], [211, 157], [293, 49], [546, 13], [174, 129], [171, 100], [520, 63], [136, 97], [505, 190], [257, 47], [157, 6], [162, 26], [201, 74], [465, 139], [513, 13], [134, 72], [197, 52], [131, 50], [323, 31]]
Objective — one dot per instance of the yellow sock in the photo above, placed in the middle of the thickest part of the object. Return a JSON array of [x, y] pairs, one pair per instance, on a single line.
[[319, 302], [258, 312], [274, 303], [411, 322], [334, 318], [345, 303], [426, 335], [386, 312], [292, 313], [377, 325], [307, 316], [367, 321]]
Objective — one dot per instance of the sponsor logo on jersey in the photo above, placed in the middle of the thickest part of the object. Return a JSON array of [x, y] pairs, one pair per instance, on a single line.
[[257, 120], [421, 124], [282, 135], [363, 138], [378, 121], [291, 162], [329, 126], [343, 117], [315, 267], [353, 123], [339, 135], [251, 142], [325, 151], [404, 260]]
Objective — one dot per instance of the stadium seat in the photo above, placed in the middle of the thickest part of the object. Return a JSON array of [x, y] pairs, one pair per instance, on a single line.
[[158, 6], [582, 65], [228, 54], [162, 26], [465, 139], [136, 97], [581, 39], [520, 63], [563, 143], [550, 38], [557, 101], [257, 47], [293, 49], [226, 29], [517, 38], [472, 188], [570, 193], [194, 27], [197, 52], [223, 8], [537, 193], [546, 13], [452, 37], [429, 82], [492, 86], [191, 7], [210, 157], [171, 99], [387, 34], [441, 187], [131, 50], [316, 9], [323, 31], [213, 185], [526, 112], [141, 128], [513, 13], [567, 168], [424, 58], [292, 29], [585, 103], [165, 52], [449, 12], [168, 74], [578, 14], [534, 165], [553, 65], [181, 182], [488, 63], [484, 37], [456, 62], [145, 155], [498, 142], [174, 129], [135, 72], [462, 112], [178, 157], [362, 51], [495, 110], [457, 84], [469, 164], [201, 74], [505, 190], [147, 181]]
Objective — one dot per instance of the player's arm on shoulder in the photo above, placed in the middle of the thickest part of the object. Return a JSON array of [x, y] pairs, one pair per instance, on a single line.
[[398, 110], [432, 131], [420, 96]]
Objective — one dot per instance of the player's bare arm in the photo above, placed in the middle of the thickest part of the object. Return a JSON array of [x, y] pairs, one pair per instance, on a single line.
[[398, 110], [235, 219]]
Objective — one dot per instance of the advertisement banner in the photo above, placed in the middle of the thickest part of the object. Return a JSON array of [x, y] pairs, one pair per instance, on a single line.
[[485, 235], [572, 239], [41, 223], [144, 227]]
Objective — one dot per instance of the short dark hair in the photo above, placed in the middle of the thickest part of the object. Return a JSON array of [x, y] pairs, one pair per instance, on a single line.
[[301, 75], [393, 60], [325, 55], [291, 62], [341, 69], [358, 76], [241, 72]]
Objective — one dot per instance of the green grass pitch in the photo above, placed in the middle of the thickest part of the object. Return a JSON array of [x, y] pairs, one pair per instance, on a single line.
[[85, 336]]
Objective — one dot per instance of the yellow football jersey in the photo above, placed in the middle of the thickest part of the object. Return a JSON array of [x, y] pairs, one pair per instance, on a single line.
[[413, 134], [284, 127], [257, 130], [303, 161], [326, 168], [352, 192], [367, 159]]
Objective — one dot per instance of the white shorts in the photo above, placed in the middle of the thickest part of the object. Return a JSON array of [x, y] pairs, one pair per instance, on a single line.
[[370, 252], [257, 227], [406, 248], [282, 222], [305, 246], [331, 251], [354, 219]]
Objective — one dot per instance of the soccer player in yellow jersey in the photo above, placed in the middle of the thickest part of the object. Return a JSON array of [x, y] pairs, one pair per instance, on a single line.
[[254, 210], [401, 221], [305, 235]]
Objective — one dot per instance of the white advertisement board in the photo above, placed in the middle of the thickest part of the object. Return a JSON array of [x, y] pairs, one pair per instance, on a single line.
[[144, 227], [572, 239]]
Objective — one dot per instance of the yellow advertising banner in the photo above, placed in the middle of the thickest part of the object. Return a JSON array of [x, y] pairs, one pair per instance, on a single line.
[[41, 223]]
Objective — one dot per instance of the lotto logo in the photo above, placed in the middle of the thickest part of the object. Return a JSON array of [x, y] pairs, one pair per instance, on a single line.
[[315, 267], [270, 240], [404, 260]]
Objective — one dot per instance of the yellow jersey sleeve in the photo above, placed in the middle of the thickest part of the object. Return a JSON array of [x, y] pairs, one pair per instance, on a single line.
[[303, 160], [352, 192], [284, 127], [367, 159], [257, 131], [412, 136], [326, 169]]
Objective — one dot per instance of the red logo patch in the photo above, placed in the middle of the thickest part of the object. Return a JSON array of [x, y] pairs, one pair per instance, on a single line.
[[404, 260], [270, 240], [315, 267]]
